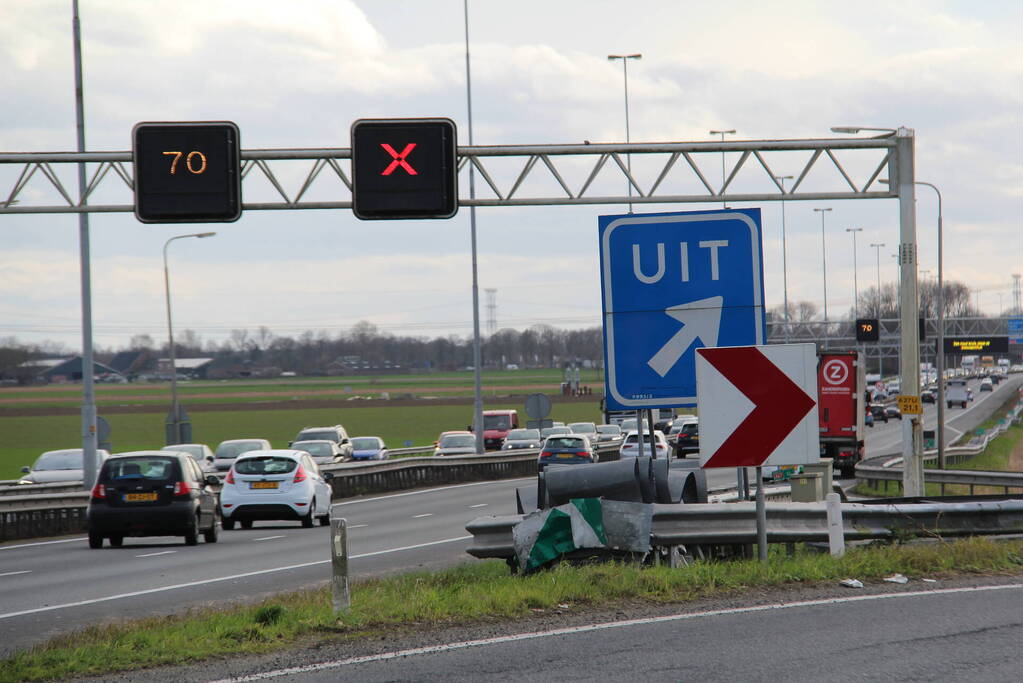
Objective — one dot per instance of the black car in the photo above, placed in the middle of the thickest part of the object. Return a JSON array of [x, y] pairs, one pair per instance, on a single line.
[[879, 412], [928, 396], [687, 439], [152, 493]]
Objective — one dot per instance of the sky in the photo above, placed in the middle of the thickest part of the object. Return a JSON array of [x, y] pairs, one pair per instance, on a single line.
[[297, 74]]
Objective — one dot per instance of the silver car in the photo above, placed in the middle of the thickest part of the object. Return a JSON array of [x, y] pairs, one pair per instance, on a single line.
[[59, 466], [200, 452], [228, 450]]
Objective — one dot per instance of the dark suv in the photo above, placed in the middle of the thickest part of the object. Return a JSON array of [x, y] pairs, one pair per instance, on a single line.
[[688, 439], [152, 493], [335, 433]]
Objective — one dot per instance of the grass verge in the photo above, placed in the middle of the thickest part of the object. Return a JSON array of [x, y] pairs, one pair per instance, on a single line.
[[470, 594]]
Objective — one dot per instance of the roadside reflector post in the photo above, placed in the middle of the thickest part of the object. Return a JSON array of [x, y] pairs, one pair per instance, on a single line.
[[836, 531], [761, 517], [339, 560]]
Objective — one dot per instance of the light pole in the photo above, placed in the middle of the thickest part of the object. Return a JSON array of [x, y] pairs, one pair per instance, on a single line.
[[625, 72], [877, 250], [723, 133], [784, 256], [856, 285], [175, 406], [477, 345], [824, 263]]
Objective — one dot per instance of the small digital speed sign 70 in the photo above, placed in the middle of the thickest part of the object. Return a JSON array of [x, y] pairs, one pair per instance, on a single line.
[[404, 168], [187, 172], [867, 330]]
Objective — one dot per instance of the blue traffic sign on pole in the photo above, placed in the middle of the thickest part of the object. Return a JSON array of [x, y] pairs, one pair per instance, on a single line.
[[1015, 330], [672, 283]]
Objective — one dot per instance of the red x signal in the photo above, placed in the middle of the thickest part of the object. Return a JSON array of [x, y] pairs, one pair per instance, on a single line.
[[399, 159]]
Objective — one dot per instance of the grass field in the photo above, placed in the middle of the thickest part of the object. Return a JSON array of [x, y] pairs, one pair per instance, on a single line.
[[22, 439]]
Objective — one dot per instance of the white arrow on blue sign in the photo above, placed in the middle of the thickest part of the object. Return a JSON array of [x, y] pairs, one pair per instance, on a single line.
[[672, 283]]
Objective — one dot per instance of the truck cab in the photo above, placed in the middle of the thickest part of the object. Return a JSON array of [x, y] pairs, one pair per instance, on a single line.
[[956, 393], [496, 425]]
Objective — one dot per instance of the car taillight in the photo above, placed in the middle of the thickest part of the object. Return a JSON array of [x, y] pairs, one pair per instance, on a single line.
[[546, 454], [583, 454], [229, 479], [300, 474], [181, 488], [99, 492]]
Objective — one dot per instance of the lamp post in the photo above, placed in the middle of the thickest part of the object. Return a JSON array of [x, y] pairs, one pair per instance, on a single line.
[[856, 285], [175, 406], [877, 250], [940, 305], [824, 263], [625, 73], [784, 256], [723, 133], [477, 344]]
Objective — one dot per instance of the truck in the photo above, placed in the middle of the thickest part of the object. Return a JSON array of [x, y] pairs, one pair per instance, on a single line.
[[968, 364], [841, 407], [956, 393], [496, 425]]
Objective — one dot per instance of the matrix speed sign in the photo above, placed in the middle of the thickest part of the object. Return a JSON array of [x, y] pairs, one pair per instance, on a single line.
[[187, 172]]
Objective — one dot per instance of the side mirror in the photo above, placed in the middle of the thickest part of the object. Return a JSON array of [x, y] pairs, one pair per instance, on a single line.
[[26, 469], [212, 480], [327, 476], [289, 443], [209, 458]]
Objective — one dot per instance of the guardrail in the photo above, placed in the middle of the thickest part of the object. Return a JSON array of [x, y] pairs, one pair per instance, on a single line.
[[888, 468], [60, 508], [735, 523]]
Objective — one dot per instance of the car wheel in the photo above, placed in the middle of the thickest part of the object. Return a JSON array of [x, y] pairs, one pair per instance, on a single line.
[[95, 540], [307, 520], [246, 523], [227, 523], [325, 520], [116, 541], [192, 535], [210, 535]]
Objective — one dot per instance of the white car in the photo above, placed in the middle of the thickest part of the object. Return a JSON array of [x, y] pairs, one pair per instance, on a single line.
[[630, 447], [608, 433], [587, 428], [60, 466], [228, 450], [200, 452], [275, 484]]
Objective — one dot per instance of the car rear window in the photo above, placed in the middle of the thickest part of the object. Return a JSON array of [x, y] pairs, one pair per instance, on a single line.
[[265, 465], [458, 441], [318, 435], [564, 442], [153, 468], [318, 449], [58, 461], [233, 450]]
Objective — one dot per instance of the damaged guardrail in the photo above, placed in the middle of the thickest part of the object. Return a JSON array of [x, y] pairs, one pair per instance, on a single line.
[[734, 523]]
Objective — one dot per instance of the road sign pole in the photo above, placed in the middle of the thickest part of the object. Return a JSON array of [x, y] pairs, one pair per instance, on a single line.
[[639, 433]]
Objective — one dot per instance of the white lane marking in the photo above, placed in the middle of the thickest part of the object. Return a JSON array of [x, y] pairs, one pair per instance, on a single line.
[[23, 571], [481, 505], [268, 538], [427, 514], [358, 526], [439, 488], [448, 647], [32, 545], [233, 577], [165, 552]]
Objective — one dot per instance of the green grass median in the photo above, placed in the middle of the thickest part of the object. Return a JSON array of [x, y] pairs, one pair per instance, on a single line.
[[475, 593]]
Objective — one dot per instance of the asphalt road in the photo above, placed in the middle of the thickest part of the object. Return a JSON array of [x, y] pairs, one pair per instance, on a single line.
[[51, 586], [920, 634]]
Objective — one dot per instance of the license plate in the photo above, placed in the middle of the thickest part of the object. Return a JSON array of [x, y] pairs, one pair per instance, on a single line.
[[139, 497], [566, 455], [264, 484]]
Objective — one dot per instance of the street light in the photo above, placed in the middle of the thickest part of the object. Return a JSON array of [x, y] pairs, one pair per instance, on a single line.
[[784, 255], [824, 263], [723, 133], [856, 286], [625, 72], [888, 132], [877, 251], [175, 406], [940, 304]]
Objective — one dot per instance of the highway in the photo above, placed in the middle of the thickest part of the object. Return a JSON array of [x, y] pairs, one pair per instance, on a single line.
[[51, 586]]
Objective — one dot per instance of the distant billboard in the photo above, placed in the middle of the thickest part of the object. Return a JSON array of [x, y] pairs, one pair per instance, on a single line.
[[962, 345]]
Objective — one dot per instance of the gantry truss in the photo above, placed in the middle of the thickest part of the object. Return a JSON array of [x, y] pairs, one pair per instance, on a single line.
[[514, 175]]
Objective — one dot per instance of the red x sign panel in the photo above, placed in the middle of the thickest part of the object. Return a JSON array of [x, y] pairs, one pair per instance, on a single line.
[[758, 405], [404, 168]]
